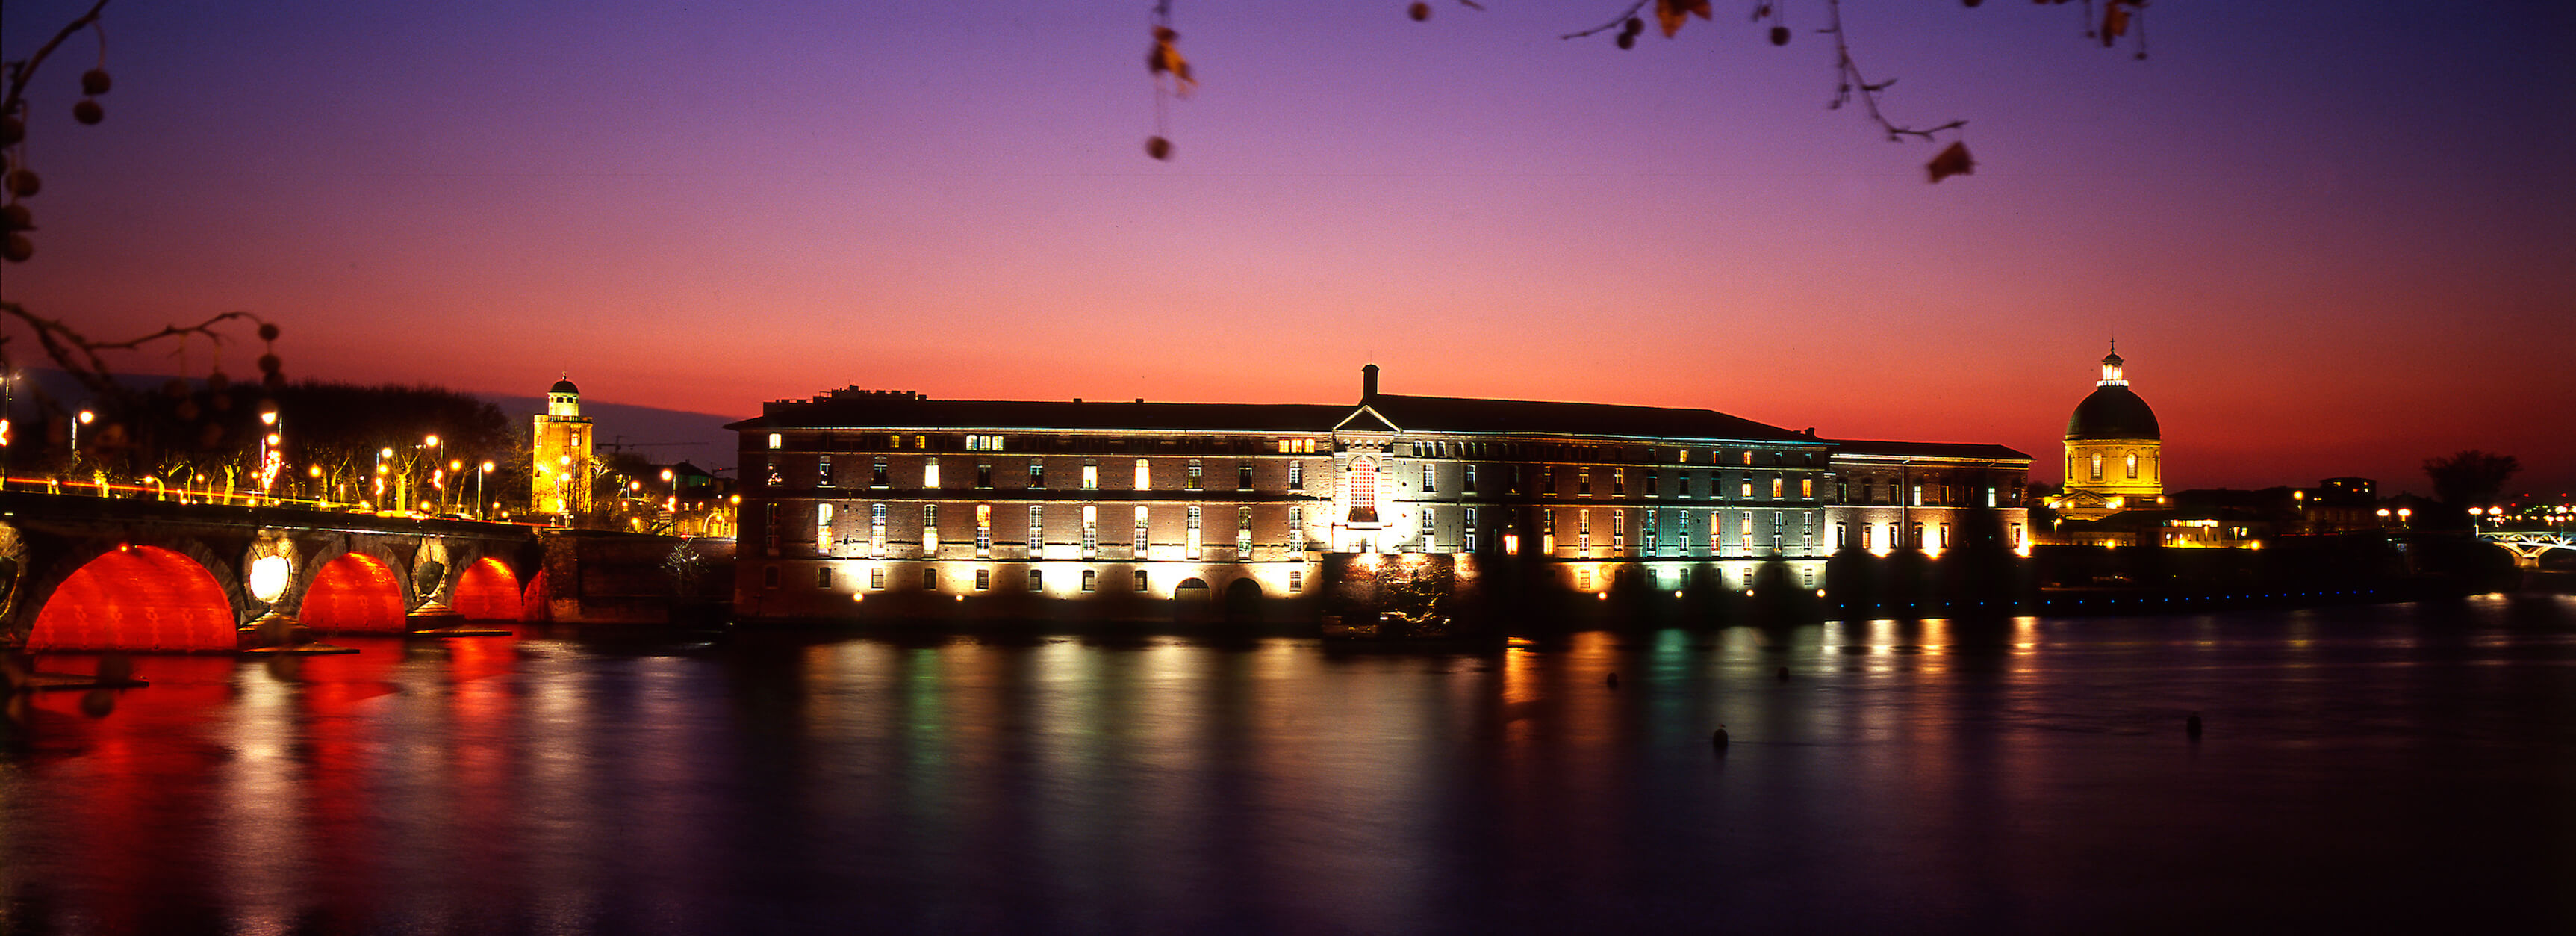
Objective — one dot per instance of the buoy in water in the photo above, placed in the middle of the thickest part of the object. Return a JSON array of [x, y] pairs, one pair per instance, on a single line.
[[1613, 680], [1717, 739], [2191, 726]]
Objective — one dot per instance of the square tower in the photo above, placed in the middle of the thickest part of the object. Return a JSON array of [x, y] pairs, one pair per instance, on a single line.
[[559, 478]]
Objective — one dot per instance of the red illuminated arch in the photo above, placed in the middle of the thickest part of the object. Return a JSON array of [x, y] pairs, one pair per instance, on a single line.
[[355, 592], [487, 591], [137, 598]]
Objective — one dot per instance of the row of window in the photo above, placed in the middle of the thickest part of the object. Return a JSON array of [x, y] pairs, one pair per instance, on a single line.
[[1872, 491], [1870, 538], [1529, 451], [1034, 579]]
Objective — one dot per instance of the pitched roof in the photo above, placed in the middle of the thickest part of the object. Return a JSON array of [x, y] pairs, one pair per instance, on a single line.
[[1927, 449], [894, 410], [1462, 414]]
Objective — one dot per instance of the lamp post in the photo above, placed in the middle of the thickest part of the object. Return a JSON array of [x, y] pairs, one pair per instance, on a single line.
[[563, 487], [8, 386], [435, 479], [479, 512]]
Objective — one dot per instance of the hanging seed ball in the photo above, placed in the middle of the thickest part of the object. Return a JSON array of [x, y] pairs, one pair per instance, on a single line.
[[1158, 147], [1634, 25], [1419, 12], [18, 248], [187, 409], [15, 217], [1779, 35], [88, 112], [24, 183], [94, 81], [1627, 40], [267, 331], [268, 363], [217, 381]]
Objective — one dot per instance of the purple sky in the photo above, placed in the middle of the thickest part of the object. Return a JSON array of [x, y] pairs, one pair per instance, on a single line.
[[2333, 238]]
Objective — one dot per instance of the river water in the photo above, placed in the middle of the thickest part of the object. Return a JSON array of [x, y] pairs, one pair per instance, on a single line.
[[2374, 767]]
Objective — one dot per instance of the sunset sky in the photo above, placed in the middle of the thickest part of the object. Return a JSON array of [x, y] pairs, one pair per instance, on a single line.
[[2333, 238]]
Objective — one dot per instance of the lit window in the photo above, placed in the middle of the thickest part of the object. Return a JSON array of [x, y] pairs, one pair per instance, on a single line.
[[1297, 528], [1090, 579], [1918, 496], [1296, 580], [1144, 477], [983, 443], [1806, 487], [1429, 542], [1037, 531], [930, 530], [1430, 483], [930, 472], [876, 531], [1192, 482], [1618, 531], [1746, 489], [1242, 532], [1583, 531], [1090, 531], [1469, 484], [823, 471], [921, 441], [983, 579], [876, 578], [1650, 532], [823, 577], [1296, 476], [1193, 543], [983, 531], [1618, 482], [823, 527], [2133, 465], [1037, 474], [1842, 535], [1140, 580], [775, 440], [1775, 487], [1037, 580], [2097, 466], [1363, 490], [1140, 532], [1091, 476]]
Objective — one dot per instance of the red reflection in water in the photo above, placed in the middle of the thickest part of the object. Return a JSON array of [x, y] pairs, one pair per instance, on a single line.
[[136, 598], [486, 591], [355, 592]]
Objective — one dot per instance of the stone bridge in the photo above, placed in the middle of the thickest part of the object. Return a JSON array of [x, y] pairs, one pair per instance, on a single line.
[[88, 573]]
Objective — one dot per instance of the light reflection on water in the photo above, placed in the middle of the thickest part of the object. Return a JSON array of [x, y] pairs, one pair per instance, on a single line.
[[2364, 766]]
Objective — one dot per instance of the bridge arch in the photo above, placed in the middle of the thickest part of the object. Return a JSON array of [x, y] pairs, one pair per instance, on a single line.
[[486, 590], [353, 591], [137, 597]]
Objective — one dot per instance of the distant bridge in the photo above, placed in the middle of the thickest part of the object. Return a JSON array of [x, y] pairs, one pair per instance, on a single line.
[[2527, 545], [91, 573]]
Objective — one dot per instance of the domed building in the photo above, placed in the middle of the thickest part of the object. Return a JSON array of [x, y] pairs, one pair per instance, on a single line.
[[2114, 450]]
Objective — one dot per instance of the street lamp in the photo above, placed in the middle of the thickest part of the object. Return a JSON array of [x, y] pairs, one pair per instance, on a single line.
[[479, 513], [434, 478]]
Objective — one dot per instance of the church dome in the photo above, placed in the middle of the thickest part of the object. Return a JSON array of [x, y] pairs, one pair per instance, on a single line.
[[565, 386], [2113, 412]]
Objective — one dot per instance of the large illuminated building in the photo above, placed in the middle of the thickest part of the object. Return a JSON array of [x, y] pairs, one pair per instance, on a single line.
[[559, 476], [2114, 451], [882, 504]]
